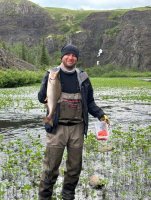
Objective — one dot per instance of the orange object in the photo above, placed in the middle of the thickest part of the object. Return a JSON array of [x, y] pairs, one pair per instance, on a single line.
[[102, 131], [102, 135]]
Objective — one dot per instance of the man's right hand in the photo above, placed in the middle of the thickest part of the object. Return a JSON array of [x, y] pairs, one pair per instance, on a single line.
[[48, 120]]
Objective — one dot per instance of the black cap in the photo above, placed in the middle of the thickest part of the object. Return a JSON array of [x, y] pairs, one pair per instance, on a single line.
[[70, 49]]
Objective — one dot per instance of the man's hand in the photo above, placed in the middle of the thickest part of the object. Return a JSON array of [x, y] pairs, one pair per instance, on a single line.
[[48, 120], [105, 118]]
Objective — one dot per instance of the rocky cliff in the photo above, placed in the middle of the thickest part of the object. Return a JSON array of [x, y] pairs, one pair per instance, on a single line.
[[125, 41], [10, 61], [22, 20], [124, 37]]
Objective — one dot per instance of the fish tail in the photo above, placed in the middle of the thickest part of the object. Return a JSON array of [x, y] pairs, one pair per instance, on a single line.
[[48, 121]]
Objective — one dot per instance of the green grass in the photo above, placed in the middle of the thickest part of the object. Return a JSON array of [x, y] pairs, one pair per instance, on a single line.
[[68, 20], [110, 70], [120, 82], [112, 31], [12, 1], [115, 14], [16, 78], [60, 12], [142, 97]]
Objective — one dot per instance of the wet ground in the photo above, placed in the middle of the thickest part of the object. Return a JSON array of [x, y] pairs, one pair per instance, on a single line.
[[24, 112], [21, 113]]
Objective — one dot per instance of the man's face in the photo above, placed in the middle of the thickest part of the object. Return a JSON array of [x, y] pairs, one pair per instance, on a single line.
[[69, 61]]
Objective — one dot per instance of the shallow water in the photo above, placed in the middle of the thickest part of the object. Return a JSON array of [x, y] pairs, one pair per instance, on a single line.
[[21, 113], [25, 112]]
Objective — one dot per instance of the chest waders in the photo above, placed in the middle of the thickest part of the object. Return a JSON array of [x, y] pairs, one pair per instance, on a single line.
[[69, 134], [70, 108]]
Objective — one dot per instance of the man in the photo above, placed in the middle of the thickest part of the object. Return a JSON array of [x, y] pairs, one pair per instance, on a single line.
[[70, 124]]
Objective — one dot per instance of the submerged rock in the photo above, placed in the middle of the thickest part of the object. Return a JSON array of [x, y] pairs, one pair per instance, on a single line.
[[96, 182], [106, 148]]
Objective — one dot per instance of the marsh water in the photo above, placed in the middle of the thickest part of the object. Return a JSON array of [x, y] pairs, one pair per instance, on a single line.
[[21, 110], [21, 113]]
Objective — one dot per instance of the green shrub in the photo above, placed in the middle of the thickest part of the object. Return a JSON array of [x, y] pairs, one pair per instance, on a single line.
[[15, 78], [113, 31]]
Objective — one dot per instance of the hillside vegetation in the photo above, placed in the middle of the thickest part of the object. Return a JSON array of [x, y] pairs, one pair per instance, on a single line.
[[36, 35]]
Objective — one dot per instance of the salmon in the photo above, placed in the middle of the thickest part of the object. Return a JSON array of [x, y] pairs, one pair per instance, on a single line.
[[53, 95]]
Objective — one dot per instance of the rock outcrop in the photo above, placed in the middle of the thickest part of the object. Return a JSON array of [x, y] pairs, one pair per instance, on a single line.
[[124, 36], [125, 41], [24, 21], [9, 61]]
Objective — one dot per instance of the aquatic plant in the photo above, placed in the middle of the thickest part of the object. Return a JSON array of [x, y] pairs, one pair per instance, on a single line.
[[22, 164], [122, 161]]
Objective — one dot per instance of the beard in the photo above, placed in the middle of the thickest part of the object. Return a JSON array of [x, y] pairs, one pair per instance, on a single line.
[[69, 66]]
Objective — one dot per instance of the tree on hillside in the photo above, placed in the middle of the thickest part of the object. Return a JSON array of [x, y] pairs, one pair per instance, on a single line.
[[44, 55], [23, 52]]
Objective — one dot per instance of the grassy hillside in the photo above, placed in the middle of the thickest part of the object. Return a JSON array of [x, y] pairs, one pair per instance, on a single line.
[[69, 20]]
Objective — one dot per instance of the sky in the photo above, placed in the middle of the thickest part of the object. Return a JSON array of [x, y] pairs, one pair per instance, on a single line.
[[93, 4]]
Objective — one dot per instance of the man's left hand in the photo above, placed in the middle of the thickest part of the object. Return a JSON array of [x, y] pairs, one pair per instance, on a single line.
[[105, 118]]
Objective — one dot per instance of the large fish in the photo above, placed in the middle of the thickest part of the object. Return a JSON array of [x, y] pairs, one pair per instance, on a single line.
[[53, 95]]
